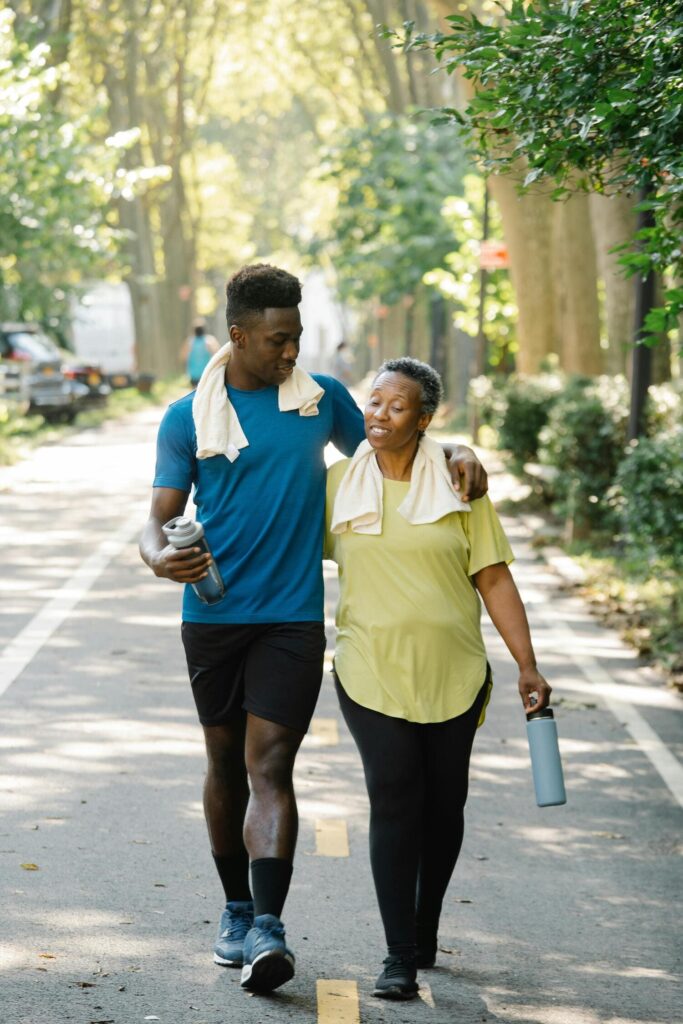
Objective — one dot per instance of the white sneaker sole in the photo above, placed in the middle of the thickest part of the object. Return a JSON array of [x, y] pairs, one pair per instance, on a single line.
[[227, 963], [268, 971]]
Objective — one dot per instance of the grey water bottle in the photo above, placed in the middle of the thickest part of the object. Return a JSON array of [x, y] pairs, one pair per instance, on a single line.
[[185, 533], [546, 764]]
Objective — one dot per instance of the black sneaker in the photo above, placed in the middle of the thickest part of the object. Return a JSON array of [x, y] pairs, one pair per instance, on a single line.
[[398, 980]]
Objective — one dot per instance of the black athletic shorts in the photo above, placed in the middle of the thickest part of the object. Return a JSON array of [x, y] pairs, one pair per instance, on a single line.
[[272, 670]]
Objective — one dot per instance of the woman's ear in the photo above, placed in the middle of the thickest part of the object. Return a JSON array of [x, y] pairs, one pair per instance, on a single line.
[[424, 421]]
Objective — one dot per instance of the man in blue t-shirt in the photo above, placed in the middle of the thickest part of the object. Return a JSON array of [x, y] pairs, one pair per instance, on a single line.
[[255, 657]]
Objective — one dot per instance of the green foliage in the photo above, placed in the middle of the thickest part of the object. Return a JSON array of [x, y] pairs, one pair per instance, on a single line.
[[54, 185], [517, 407], [461, 280], [584, 440], [393, 176], [585, 94], [649, 495]]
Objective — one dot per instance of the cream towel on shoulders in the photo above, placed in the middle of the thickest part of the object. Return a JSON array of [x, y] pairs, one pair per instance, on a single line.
[[216, 423], [431, 495]]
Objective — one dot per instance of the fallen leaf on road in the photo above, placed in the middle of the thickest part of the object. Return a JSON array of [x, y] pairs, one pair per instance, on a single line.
[[151, 1017], [463, 901], [41, 968], [202, 894], [47, 956], [160, 885], [84, 984], [142, 842], [30, 867], [608, 835], [122, 988], [109, 1020]]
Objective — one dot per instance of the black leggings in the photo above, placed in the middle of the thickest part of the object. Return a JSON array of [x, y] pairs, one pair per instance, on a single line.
[[417, 777]]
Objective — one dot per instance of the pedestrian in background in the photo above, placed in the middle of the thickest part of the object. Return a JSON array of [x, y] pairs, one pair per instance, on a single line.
[[197, 350], [410, 665]]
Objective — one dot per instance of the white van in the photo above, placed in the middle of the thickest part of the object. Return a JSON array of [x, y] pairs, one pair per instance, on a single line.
[[103, 331]]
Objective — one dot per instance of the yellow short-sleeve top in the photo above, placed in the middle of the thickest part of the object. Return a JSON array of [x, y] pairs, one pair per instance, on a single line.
[[409, 641]]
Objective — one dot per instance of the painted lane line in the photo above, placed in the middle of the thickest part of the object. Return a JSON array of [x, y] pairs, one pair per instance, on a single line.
[[603, 685], [20, 651], [325, 732], [331, 837], [337, 1002]]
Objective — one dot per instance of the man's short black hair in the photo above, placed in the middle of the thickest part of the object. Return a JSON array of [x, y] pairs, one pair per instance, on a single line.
[[258, 287]]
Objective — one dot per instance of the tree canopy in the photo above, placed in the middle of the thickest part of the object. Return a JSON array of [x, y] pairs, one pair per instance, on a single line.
[[582, 94], [55, 184]]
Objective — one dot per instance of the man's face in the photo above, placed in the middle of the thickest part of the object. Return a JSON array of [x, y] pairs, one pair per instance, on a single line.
[[269, 346]]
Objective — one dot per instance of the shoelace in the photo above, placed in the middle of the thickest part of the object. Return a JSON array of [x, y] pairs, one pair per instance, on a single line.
[[240, 923]]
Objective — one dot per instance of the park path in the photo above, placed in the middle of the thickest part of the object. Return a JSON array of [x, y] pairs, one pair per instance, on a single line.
[[557, 916]]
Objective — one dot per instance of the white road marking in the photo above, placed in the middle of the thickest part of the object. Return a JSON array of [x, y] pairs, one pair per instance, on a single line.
[[19, 652], [337, 1002], [603, 685]]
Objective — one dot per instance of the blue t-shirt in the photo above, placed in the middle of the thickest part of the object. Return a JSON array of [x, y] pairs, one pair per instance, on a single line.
[[263, 514]]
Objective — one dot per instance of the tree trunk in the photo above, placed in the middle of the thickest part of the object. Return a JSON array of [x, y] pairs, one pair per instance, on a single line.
[[527, 227], [614, 221], [575, 287]]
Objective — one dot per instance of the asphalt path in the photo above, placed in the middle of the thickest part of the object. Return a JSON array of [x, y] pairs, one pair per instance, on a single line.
[[566, 915]]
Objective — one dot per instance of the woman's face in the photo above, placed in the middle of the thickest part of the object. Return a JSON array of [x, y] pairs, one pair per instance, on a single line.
[[393, 413]]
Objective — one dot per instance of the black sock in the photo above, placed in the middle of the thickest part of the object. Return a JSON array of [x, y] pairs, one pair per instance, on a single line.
[[234, 874], [270, 878]]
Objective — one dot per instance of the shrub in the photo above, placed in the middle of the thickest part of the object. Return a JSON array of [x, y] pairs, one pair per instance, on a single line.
[[584, 439], [664, 407], [517, 408], [649, 495], [529, 401]]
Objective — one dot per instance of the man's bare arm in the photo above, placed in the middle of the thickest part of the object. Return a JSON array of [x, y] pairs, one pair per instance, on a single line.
[[467, 473], [187, 565]]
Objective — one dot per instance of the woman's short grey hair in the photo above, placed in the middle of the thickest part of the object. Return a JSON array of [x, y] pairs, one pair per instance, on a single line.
[[424, 374]]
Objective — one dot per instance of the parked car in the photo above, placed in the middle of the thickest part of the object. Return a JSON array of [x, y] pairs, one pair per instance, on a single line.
[[43, 383], [87, 374]]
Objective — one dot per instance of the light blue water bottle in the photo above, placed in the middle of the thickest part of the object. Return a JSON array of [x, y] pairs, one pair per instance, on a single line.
[[182, 532], [546, 764]]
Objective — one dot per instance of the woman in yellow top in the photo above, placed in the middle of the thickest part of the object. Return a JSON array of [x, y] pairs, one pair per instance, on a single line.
[[410, 665]]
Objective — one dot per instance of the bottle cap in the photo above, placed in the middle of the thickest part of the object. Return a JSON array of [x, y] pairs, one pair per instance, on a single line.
[[545, 713]]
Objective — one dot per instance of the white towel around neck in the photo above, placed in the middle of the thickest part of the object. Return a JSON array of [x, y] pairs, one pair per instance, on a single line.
[[216, 423], [431, 495]]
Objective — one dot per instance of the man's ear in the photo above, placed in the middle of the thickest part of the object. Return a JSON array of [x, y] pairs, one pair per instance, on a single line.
[[237, 336]]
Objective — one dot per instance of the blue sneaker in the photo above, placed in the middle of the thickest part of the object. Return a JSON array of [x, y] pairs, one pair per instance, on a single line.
[[236, 920], [267, 961]]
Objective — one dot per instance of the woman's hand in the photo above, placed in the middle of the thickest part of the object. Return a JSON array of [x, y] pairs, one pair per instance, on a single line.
[[534, 690]]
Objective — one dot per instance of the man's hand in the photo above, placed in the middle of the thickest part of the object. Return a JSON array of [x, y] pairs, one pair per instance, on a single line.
[[531, 682], [187, 565], [469, 477]]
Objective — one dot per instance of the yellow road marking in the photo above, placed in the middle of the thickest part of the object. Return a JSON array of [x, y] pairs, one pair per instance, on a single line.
[[325, 731], [331, 837], [426, 996], [337, 1002]]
